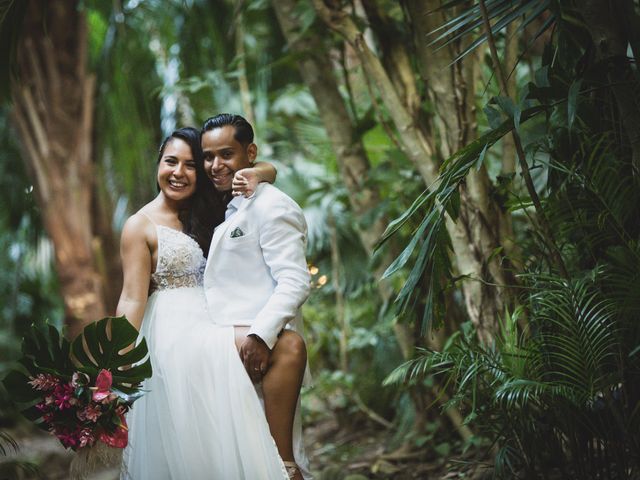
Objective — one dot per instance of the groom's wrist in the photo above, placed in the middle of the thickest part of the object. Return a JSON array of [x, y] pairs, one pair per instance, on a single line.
[[258, 338]]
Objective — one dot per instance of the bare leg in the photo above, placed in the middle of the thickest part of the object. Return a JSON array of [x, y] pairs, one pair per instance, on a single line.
[[281, 387]]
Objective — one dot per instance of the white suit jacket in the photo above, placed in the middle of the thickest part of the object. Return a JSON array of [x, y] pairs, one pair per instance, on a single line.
[[256, 271]]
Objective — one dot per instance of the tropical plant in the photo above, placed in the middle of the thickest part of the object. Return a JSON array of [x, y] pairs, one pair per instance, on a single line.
[[564, 368], [11, 468], [558, 384]]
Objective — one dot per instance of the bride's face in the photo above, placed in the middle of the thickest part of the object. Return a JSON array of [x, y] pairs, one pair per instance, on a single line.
[[177, 171]]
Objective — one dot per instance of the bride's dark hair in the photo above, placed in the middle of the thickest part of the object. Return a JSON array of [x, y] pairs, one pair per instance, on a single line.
[[205, 209]]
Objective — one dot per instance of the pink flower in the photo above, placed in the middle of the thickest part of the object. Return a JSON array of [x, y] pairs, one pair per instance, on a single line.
[[90, 412], [103, 385], [85, 437], [63, 396], [120, 437], [66, 437], [109, 398], [44, 381]]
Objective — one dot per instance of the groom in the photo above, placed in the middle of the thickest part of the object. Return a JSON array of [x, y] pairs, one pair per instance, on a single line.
[[257, 278]]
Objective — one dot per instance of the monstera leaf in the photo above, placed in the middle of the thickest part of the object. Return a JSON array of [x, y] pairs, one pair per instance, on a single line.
[[99, 346], [44, 351]]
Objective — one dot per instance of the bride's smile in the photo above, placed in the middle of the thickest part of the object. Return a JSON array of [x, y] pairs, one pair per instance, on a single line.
[[177, 171]]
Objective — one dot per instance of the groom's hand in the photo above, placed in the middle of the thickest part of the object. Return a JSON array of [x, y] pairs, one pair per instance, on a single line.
[[255, 354], [245, 182]]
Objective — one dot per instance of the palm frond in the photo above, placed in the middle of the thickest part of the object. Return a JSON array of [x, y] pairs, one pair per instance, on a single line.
[[577, 335], [501, 12], [429, 245], [7, 443]]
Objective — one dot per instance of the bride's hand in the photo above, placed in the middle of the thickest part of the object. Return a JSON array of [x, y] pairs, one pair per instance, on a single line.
[[245, 182]]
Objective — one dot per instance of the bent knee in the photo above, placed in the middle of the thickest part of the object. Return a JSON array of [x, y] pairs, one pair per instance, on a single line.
[[292, 345]]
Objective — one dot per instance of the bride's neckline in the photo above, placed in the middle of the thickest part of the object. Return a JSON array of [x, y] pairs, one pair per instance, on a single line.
[[193, 241]]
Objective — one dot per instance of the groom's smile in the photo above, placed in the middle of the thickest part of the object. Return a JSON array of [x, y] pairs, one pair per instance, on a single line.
[[224, 156]]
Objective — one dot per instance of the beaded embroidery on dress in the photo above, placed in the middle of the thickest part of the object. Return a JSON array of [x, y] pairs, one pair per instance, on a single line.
[[180, 261], [201, 418]]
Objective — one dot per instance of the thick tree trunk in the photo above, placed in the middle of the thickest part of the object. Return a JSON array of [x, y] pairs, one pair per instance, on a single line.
[[481, 227], [53, 113], [417, 146], [605, 21], [476, 234]]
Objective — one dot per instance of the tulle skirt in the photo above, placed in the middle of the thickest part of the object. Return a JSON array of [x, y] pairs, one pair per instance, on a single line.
[[201, 417]]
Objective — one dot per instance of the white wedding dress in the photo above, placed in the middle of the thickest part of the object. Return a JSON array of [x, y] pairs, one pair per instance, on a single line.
[[201, 417]]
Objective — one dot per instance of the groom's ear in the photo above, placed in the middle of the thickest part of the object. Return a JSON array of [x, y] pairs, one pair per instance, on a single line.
[[252, 152]]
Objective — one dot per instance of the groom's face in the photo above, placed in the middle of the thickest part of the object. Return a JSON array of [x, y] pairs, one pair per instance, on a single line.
[[224, 156]]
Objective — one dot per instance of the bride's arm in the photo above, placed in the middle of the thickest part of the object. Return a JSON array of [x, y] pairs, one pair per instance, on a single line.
[[246, 180], [136, 269]]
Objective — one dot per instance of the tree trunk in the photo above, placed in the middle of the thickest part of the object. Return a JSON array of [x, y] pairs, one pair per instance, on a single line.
[[341, 314], [482, 226], [510, 61], [476, 234], [106, 244], [53, 114], [243, 82], [605, 22]]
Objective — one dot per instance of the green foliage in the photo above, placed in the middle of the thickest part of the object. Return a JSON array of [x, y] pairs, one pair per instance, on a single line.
[[429, 245], [13, 468], [563, 368], [569, 346], [501, 12], [559, 385], [28, 285], [99, 346], [12, 13]]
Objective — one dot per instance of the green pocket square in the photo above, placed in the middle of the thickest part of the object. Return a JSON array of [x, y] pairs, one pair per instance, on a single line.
[[237, 233]]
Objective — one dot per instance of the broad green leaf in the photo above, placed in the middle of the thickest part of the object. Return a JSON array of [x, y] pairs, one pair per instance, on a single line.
[[480, 160], [19, 390], [103, 341], [572, 102]]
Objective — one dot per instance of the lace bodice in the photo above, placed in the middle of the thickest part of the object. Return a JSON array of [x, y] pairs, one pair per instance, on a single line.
[[180, 261]]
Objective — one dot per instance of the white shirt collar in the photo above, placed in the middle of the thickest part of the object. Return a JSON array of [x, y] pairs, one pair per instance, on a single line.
[[233, 206]]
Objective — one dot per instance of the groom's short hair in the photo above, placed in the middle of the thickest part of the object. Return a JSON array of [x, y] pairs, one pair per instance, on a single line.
[[243, 129]]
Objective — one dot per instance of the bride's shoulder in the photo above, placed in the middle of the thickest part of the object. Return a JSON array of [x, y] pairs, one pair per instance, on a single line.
[[138, 226]]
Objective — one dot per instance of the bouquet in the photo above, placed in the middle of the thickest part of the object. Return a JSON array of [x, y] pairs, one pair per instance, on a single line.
[[80, 391]]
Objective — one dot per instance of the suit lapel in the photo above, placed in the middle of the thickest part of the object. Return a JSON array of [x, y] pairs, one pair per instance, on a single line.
[[217, 235], [221, 232]]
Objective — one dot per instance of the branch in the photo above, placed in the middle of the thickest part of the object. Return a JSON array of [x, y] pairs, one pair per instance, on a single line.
[[416, 146], [30, 153], [38, 129]]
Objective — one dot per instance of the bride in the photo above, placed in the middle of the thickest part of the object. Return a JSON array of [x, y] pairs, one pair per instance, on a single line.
[[201, 417]]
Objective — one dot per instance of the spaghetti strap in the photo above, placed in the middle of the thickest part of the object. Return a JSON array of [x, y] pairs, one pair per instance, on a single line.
[[148, 217]]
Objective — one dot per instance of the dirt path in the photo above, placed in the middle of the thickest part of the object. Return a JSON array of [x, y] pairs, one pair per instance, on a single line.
[[336, 453]]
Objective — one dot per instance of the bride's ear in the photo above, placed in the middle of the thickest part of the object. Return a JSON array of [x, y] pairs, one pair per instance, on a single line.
[[252, 152]]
